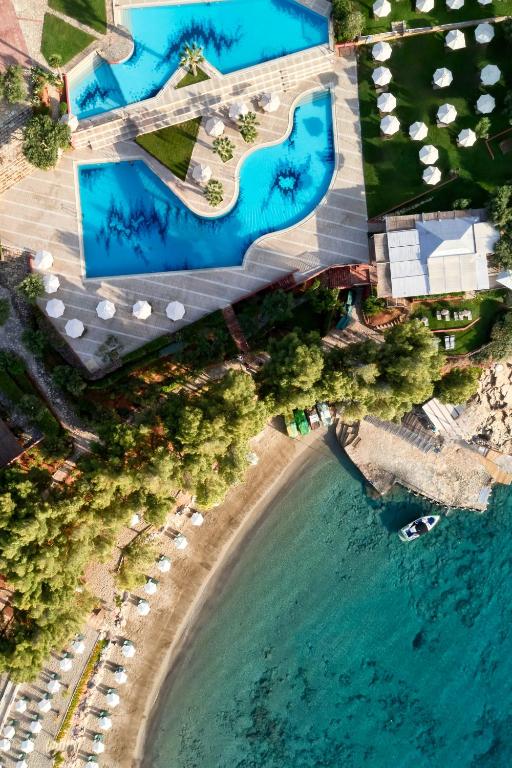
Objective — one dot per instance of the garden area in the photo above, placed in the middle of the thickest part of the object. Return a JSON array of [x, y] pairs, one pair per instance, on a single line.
[[172, 146], [62, 40], [486, 308], [393, 171]]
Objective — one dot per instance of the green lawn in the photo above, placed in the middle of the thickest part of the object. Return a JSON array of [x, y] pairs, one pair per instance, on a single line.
[[172, 146], [405, 10], [392, 167], [90, 12], [190, 79], [63, 39]]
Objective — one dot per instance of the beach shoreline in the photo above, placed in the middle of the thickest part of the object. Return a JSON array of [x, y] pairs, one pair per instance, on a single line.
[[237, 519]]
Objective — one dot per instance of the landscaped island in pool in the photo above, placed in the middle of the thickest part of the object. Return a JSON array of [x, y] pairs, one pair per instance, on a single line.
[[132, 223], [234, 34]]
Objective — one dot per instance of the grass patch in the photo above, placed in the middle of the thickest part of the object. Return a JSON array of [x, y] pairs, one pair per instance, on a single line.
[[172, 146], [62, 39], [405, 10], [89, 12], [191, 79], [391, 166]]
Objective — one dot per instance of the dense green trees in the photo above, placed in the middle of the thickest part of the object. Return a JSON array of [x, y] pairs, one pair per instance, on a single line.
[[347, 19], [500, 213], [500, 346], [13, 87], [136, 558], [459, 385], [42, 140]]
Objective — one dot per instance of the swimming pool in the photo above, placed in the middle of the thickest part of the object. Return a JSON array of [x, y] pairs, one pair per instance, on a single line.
[[234, 34], [132, 223]]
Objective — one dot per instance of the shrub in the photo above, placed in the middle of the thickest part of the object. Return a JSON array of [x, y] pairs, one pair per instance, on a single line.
[[68, 379], [42, 139], [110, 350], [459, 385], [34, 341], [247, 125], [461, 203], [214, 192], [347, 19], [11, 363], [33, 407], [63, 108], [5, 311], [500, 206], [13, 86], [503, 252], [483, 127], [224, 148], [373, 305], [32, 287]]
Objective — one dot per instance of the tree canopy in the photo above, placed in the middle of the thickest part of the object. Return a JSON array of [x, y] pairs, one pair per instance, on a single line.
[[459, 385], [42, 140]]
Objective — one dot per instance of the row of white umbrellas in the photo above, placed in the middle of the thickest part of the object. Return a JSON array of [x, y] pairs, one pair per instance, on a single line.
[[106, 310], [382, 8]]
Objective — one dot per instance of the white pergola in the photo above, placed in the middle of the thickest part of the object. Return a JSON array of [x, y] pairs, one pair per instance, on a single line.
[[455, 40], [386, 102]]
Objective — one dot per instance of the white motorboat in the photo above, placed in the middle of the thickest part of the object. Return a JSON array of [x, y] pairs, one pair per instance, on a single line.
[[418, 527]]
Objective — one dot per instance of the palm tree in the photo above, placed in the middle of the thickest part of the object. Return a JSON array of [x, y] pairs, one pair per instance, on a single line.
[[191, 57]]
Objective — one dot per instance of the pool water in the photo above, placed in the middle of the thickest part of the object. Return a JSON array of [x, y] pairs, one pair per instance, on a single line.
[[234, 34], [132, 223]]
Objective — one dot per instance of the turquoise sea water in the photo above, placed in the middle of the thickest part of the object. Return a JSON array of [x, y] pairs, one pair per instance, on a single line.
[[334, 644]]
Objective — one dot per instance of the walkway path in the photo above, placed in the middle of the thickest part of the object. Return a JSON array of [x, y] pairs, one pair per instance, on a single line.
[[390, 35], [13, 49]]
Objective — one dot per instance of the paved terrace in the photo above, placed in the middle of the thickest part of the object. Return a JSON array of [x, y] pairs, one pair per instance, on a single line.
[[41, 212]]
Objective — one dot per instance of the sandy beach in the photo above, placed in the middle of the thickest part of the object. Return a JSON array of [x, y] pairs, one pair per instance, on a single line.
[[194, 577]]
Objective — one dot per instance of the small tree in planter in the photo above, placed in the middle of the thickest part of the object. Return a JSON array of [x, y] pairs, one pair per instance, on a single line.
[[214, 192], [247, 125], [192, 57], [13, 85], [42, 139], [32, 287], [224, 148]]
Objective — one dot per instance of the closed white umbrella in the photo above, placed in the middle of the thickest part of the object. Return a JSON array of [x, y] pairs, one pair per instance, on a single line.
[[446, 114], [424, 6], [112, 698], [381, 76], [490, 74], [22, 764], [180, 542], [134, 520], [381, 8], [21, 705], [43, 260], [454, 5], [51, 283], [214, 127], [485, 104], [252, 458], [442, 77], [202, 173], [484, 33], [386, 102], [143, 607], [35, 726], [270, 102], [74, 328], [5, 745], [45, 704], [53, 686], [120, 676], [382, 51], [106, 309], [389, 125], [432, 175], [175, 310], [150, 587], [238, 109], [78, 646], [428, 154], [98, 746], [66, 663], [418, 131], [466, 138], [164, 564], [455, 40], [27, 746], [128, 649], [9, 731], [55, 308], [141, 310], [70, 120], [197, 519], [105, 722]]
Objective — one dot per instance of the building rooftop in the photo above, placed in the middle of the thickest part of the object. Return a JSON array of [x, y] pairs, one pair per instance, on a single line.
[[10, 448]]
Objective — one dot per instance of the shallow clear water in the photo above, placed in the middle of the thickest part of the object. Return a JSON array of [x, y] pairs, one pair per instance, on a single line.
[[133, 223], [332, 643], [234, 34]]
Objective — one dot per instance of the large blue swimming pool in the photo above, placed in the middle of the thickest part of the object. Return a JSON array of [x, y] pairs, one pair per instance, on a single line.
[[132, 222], [234, 34]]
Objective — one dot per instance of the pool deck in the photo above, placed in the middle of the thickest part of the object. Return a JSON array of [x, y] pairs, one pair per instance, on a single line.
[[41, 212]]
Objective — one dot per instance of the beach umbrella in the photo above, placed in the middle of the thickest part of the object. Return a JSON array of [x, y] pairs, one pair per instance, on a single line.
[[134, 520], [381, 76], [74, 328], [143, 607], [128, 649], [35, 726], [386, 102], [455, 40], [381, 8], [104, 722], [164, 564], [175, 310], [120, 676], [252, 458], [27, 745], [485, 2], [202, 173], [70, 120], [466, 138], [150, 587], [78, 646], [21, 705], [442, 77], [180, 542], [454, 5], [490, 74], [55, 308], [45, 704], [22, 764], [91, 762], [197, 519], [428, 154], [485, 104], [43, 260], [424, 6], [238, 109], [432, 175], [98, 746], [446, 114], [382, 51], [51, 283], [106, 309], [484, 33], [418, 131], [53, 686], [270, 102], [214, 127], [112, 698], [389, 125], [9, 731], [141, 310], [5, 745], [66, 663]]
